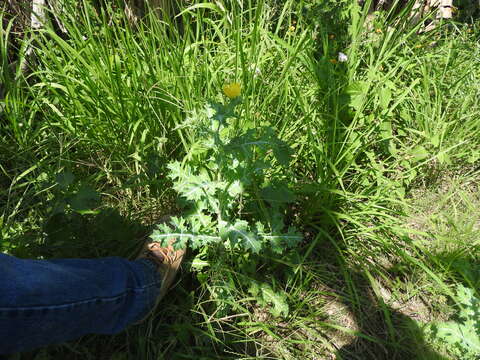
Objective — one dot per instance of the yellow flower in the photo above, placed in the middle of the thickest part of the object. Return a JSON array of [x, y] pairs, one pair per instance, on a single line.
[[378, 31], [291, 28], [232, 90]]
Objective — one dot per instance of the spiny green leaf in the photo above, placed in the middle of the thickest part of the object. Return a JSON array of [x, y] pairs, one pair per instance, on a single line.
[[277, 193], [65, 179], [240, 233], [265, 295], [210, 182], [179, 234], [84, 200], [357, 92], [464, 333], [235, 188], [419, 153]]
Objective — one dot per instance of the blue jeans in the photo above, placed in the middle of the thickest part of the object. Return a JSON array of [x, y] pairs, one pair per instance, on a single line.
[[52, 301]]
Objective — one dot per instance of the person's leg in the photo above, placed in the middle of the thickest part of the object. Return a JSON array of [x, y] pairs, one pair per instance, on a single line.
[[52, 301]]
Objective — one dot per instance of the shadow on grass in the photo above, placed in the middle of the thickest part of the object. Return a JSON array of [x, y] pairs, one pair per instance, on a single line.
[[86, 236], [397, 335], [173, 332], [465, 270], [391, 333], [383, 332]]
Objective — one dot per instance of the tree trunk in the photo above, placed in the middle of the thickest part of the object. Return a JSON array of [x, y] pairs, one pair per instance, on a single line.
[[38, 16], [56, 7], [136, 9], [445, 9]]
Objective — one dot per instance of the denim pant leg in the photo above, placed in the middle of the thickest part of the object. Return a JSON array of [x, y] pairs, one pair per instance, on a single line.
[[52, 301]]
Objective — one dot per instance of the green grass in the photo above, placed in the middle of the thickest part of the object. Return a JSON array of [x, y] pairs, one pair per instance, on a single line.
[[386, 159]]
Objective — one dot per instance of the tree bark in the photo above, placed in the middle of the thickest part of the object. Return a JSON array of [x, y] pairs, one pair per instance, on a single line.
[[56, 7], [445, 9], [136, 9], [38, 17]]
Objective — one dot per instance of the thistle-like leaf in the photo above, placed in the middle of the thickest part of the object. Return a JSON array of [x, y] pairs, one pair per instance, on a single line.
[[265, 295], [240, 234], [180, 233]]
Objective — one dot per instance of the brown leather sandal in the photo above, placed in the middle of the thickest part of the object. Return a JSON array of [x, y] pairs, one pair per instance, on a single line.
[[168, 261]]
